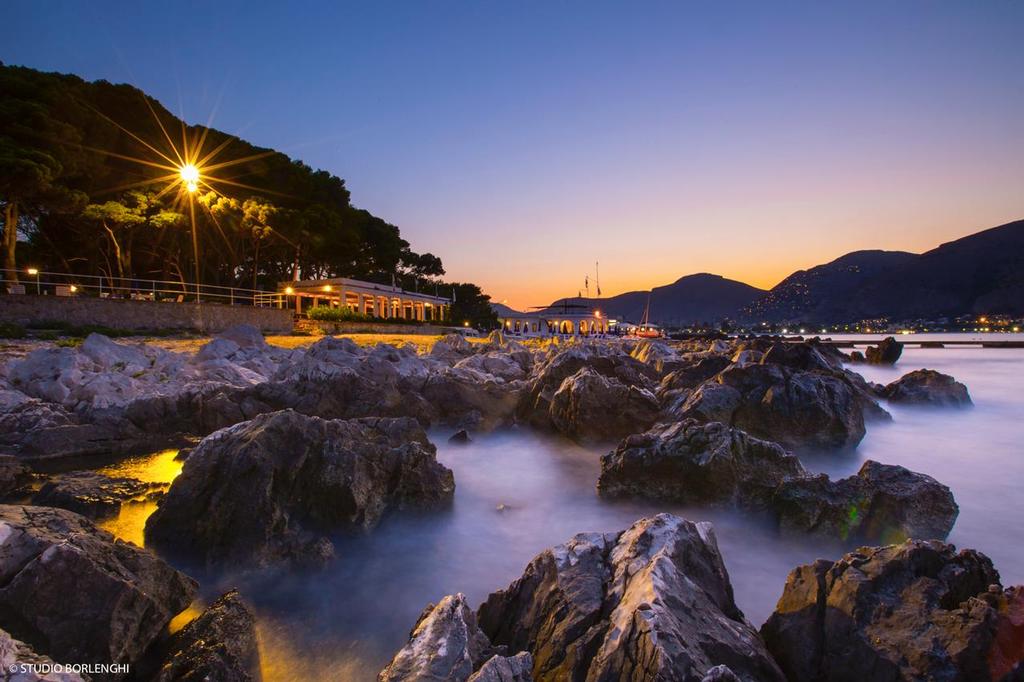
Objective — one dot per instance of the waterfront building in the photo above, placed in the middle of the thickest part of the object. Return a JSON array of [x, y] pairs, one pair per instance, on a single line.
[[377, 300]]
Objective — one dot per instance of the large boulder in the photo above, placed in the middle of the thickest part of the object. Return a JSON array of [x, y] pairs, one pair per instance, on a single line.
[[651, 603], [446, 645], [77, 594], [693, 463], [797, 408], [549, 375], [591, 407], [218, 645], [928, 387], [885, 353], [93, 494], [20, 663], [914, 611], [268, 490], [881, 503]]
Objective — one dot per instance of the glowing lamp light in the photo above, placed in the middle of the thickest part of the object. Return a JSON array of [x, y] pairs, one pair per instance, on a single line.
[[73, 288], [33, 271], [289, 290], [597, 314], [327, 287], [189, 177], [466, 323]]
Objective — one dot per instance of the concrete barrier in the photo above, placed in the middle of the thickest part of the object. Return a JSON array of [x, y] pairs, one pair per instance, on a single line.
[[27, 310]]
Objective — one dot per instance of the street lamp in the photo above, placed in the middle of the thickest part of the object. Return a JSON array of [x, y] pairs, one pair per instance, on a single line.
[[189, 177], [34, 272]]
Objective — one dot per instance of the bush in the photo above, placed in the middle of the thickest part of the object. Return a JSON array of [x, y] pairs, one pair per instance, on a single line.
[[9, 330], [329, 314], [72, 342]]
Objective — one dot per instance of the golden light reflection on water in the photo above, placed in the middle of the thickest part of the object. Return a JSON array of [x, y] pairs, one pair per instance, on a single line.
[[285, 657], [159, 467]]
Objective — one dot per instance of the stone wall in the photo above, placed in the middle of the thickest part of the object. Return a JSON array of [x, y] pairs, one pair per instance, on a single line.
[[125, 314]]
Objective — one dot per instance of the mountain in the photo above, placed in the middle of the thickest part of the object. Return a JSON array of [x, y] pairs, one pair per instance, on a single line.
[[821, 293], [693, 298], [980, 273]]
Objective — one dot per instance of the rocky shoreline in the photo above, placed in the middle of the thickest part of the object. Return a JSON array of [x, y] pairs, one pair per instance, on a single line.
[[292, 447]]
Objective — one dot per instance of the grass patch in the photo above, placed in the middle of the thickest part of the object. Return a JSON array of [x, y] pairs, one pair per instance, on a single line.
[[9, 330]]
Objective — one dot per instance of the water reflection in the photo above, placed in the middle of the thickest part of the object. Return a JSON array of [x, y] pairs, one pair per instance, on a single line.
[[518, 493], [160, 467]]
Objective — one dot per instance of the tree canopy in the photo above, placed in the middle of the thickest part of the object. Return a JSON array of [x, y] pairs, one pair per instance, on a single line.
[[83, 189]]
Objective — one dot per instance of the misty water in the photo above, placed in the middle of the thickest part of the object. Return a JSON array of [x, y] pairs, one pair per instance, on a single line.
[[518, 492]]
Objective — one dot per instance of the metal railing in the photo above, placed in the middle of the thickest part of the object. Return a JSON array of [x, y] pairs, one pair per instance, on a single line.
[[42, 283]]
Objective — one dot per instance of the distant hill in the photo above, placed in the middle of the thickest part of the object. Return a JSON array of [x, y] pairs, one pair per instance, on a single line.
[[823, 292], [693, 298], [980, 273]]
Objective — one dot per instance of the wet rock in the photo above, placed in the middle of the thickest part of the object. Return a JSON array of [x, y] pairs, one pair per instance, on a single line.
[[94, 495], [14, 654], [885, 353], [856, 356], [593, 408], [14, 476], [446, 645], [267, 490], [79, 595], [218, 645], [928, 387], [651, 603], [460, 437], [693, 463], [913, 611], [798, 409], [881, 503]]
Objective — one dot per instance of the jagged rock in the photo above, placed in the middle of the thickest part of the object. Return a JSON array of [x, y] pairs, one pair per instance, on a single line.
[[693, 463], [913, 611], [856, 356], [15, 656], [806, 356], [14, 476], [551, 373], [793, 407], [446, 645], [505, 366], [246, 336], [881, 503], [651, 603], [928, 387], [267, 490], [505, 669], [591, 407], [78, 594], [468, 399], [460, 437], [694, 374], [885, 353], [219, 645], [657, 354], [92, 494]]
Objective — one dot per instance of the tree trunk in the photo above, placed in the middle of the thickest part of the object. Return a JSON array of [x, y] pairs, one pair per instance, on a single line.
[[10, 240], [117, 254]]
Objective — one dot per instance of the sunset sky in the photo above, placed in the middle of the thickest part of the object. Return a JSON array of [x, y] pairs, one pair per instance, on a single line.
[[523, 141]]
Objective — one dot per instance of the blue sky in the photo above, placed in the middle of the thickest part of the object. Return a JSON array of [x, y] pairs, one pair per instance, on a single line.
[[522, 141]]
